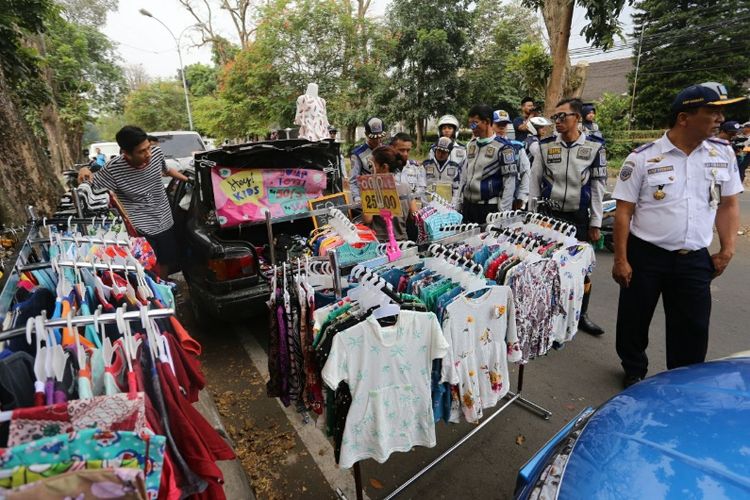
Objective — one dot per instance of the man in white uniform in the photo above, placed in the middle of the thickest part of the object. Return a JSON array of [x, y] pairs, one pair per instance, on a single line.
[[670, 193]]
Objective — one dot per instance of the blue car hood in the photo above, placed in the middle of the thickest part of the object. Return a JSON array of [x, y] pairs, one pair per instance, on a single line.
[[681, 434]]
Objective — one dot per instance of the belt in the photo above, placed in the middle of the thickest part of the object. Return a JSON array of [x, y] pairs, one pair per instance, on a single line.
[[684, 251]]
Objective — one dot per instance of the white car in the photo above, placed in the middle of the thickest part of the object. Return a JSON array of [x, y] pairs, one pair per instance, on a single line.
[[179, 147]]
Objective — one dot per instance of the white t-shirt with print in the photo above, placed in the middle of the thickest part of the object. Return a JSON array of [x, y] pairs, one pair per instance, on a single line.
[[388, 370], [481, 335], [573, 269]]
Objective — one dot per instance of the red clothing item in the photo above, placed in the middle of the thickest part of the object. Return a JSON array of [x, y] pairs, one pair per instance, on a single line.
[[199, 443], [187, 369]]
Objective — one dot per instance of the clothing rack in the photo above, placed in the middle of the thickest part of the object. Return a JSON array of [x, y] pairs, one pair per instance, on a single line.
[[511, 398], [87, 320], [89, 265], [440, 251], [83, 239]]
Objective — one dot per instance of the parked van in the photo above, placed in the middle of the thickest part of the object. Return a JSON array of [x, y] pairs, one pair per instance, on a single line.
[[109, 149]]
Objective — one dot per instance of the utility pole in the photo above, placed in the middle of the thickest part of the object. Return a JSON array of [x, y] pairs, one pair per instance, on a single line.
[[635, 78]]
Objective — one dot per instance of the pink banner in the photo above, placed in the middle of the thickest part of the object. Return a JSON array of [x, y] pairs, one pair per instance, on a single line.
[[244, 195]]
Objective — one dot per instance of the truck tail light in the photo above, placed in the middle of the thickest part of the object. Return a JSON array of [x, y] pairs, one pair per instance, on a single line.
[[230, 268]]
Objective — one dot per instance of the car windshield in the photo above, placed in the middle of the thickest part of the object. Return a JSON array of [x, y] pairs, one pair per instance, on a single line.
[[180, 146]]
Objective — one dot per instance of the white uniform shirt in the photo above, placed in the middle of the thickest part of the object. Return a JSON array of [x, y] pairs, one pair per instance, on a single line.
[[683, 218]]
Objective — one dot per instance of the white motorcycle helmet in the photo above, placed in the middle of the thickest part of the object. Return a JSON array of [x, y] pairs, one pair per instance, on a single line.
[[448, 120], [535, 124]]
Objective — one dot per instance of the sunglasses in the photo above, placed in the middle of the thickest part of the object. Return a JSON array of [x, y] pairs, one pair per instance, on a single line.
[[561, 116]]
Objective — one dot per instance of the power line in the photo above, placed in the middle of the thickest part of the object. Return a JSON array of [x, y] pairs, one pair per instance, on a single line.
[[731, 66], [672, 36]]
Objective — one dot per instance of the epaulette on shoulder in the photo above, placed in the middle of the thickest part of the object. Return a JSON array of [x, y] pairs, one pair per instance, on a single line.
[[428, 161], [502, 140], [547, 140], [360, 149], [718, 140], [594, 138], [643, 147]]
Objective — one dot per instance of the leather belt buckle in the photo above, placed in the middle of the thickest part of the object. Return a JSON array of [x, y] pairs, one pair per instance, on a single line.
[[683, 252]]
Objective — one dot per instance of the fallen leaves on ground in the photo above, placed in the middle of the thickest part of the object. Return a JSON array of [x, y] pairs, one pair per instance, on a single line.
[[376, 484], [520, 439], [260, 446]]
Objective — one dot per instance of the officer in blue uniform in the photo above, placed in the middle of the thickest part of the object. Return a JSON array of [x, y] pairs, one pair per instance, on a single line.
[[570, 172], [670, 193], [360, 158], [489, 180], [442, 169], [500, 121]]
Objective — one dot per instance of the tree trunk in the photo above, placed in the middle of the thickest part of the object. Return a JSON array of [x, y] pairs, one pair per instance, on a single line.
[[27, 174], [574, 83], [420, 133], [558, 18]]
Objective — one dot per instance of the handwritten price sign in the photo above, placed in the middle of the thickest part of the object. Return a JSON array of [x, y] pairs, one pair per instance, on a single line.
[[378, 193]]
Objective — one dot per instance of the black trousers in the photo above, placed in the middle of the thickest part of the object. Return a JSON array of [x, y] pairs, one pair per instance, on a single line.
[[579, 219], [477, 212], [165, 248], [683, 282]]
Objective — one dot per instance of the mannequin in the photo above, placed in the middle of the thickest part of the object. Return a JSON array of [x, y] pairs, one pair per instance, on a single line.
[[311, 115]]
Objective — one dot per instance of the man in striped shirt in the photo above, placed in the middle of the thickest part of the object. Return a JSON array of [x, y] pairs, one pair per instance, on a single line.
[[135, 177]]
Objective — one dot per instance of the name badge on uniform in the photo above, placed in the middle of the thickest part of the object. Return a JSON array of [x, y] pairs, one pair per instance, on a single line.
[[472, 150], [490, 152], [554, 155], [430, 170], [658, 170], [584, 153], [509, 156], [452, 171], [716, 165]]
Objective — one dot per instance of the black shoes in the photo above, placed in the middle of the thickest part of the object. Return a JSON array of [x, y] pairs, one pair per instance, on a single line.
[[630, 380], [588, 326]]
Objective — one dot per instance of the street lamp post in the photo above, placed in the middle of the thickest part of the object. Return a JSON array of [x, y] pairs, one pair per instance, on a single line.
[[182, 68]]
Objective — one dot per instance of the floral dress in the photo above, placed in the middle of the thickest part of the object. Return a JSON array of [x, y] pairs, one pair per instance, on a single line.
[[481, 335]]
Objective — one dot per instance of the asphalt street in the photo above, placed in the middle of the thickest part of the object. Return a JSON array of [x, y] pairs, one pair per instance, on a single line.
[[585, 373]]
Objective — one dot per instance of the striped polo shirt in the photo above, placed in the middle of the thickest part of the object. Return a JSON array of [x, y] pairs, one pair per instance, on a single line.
[[140, 191]]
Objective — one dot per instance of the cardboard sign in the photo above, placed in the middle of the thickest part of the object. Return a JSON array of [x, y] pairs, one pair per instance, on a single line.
[[244, 195], [331, 201], [378, 193]]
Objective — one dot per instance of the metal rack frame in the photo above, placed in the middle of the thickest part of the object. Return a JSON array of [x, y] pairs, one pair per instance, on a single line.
[[511, 398]]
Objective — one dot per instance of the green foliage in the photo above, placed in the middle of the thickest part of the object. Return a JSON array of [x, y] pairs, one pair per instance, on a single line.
[[202, 80], [211, 118], [87, 12], [611, 113], [85, 78], [532, 65], [498, 31], [19, 62], [431, 44], [689, 42], [297, 43], [157, 106], [107, 126]]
